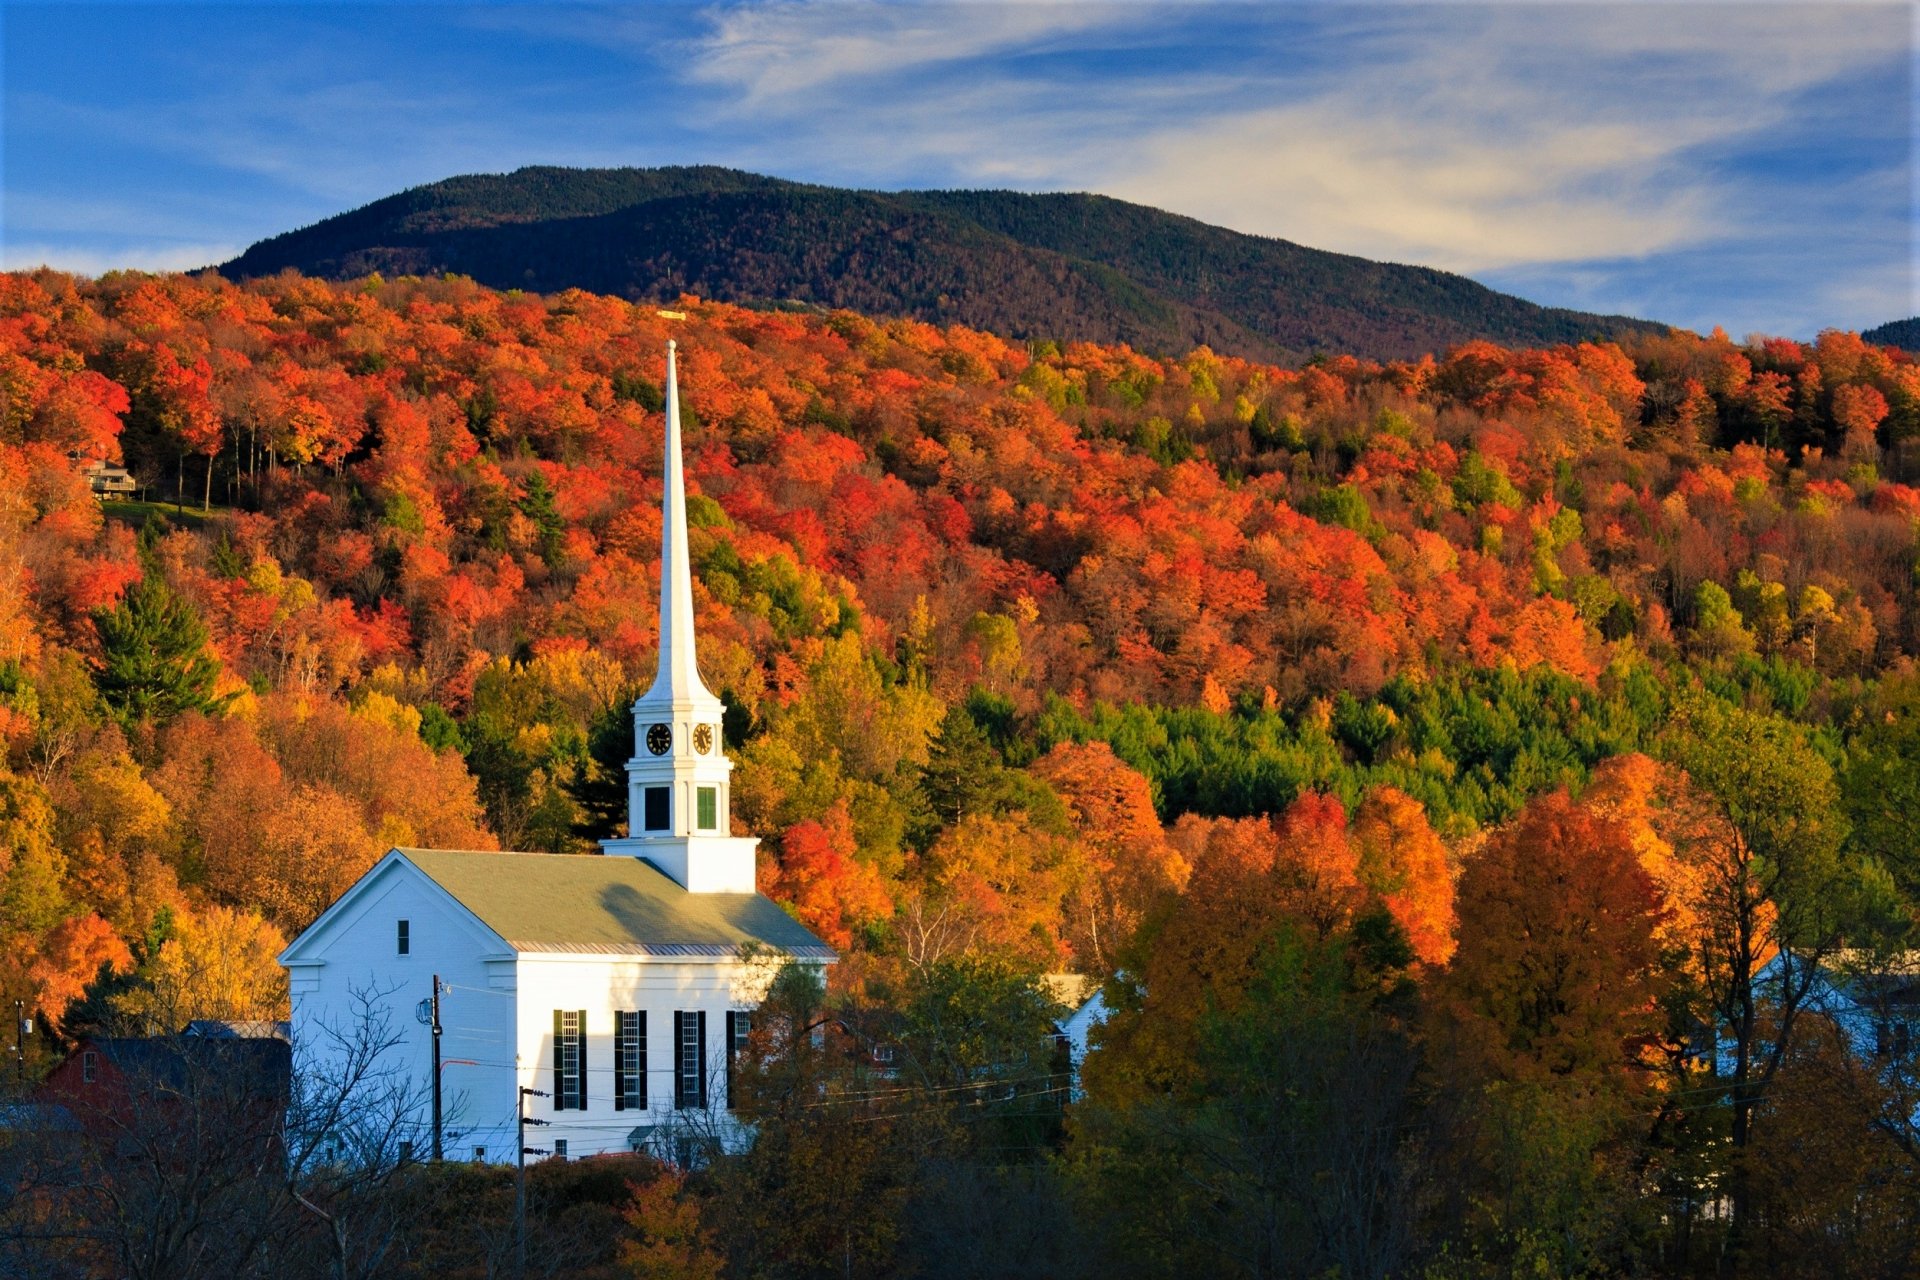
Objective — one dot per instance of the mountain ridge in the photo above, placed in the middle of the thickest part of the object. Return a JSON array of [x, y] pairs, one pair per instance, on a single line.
[[1904, 334], [1067, 266]]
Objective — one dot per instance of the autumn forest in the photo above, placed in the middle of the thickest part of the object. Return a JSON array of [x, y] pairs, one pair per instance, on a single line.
[[1474, 781]]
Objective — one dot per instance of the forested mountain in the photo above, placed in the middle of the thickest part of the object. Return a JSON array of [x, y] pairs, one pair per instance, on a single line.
[[1904, 334], [1432, 757], [1071, 268]]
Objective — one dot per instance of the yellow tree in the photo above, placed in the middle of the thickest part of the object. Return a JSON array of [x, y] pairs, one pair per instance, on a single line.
[[1130, 864], [220, 963], [1404, 862]]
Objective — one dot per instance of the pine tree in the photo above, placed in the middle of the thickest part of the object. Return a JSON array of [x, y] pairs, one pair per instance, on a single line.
[[599, 784], [962, 773], [538, 506], [154, 662]]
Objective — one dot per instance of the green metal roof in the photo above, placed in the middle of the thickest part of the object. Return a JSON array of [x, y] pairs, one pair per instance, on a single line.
[[608, 904]]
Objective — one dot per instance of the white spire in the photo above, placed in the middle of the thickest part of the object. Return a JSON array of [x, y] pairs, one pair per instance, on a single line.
[[678, 788], [677, 678]]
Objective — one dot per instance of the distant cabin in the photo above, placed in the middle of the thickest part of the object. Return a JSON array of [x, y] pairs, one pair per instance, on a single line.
[[108, 480]]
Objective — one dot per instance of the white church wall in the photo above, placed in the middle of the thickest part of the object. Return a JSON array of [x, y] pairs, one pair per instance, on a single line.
[[600, 985], [364, 973]]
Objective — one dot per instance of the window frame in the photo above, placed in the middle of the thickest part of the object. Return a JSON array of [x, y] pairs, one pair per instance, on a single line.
[[706, 808], [690, 1059], [403, 937], [630, 1060], [569, 1059], [660, 797]]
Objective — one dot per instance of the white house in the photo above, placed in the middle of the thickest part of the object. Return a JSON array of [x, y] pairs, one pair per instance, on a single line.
[[619, 984], [1086, 1006]]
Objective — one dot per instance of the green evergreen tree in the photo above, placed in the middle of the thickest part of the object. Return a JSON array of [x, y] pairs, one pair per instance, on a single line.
[[538, 506], [154, 663], [599, 785], [963, 771]]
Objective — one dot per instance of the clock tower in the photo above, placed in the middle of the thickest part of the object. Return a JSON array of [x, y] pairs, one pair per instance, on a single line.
[[679, 777]]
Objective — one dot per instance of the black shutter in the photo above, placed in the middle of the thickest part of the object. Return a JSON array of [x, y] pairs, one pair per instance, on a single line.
[[703, 1059], [620, 1059], [580, 1099], [559, 1063], [679, 1056], [639, 1068]]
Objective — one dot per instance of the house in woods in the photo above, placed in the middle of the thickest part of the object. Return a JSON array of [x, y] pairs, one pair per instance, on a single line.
[[110, 481], [607, 994], [112, 1086], [1087, 1009], [1875, 1002]]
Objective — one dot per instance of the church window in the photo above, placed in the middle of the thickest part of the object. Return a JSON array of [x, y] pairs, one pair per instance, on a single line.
[[709, 807], [403, 937], [89, 1067], [630, 1060], [659, 809], [560, 1148], [690, 1059], [739, 1022], [569, 1060]]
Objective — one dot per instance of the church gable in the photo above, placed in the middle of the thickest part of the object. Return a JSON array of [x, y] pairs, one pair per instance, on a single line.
[[373, 897]]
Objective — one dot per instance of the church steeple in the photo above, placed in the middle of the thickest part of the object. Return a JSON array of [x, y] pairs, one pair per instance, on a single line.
[[678, 676], [678, 784]]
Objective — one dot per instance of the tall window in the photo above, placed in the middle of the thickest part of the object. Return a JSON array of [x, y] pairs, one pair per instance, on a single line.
[[659, 809], [690, 1059], [739, 1022], [707, 807], [569, 1060], [404, 937], [89, 1067], [630, 1060]]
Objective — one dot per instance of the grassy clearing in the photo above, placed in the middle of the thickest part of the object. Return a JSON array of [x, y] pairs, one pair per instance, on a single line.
[[136, 513]]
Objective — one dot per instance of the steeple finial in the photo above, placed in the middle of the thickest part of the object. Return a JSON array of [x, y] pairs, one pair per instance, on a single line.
[[678, 675]]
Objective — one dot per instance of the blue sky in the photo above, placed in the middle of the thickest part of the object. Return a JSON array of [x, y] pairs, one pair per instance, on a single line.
[[1737, 164]]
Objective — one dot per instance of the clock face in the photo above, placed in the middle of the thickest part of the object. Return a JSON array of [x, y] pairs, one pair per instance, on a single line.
[[703, 738], [659, 739]]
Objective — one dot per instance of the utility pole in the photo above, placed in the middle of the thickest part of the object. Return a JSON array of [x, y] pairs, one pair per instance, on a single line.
[[427, 1013], [436, 1069], [520, 1178], [22, 1028]]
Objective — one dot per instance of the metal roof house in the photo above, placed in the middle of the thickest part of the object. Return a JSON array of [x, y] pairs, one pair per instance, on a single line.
[[607, 994]]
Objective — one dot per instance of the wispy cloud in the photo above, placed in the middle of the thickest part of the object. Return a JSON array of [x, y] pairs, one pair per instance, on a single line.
[[770, 52]]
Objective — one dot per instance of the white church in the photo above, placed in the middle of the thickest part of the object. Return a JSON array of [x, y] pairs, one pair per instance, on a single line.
[[619, 985]]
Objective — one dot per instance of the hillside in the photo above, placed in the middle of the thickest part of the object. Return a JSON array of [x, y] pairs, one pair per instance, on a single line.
[[1066, 267], [1904, 334], [1384, 733]]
